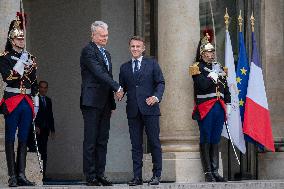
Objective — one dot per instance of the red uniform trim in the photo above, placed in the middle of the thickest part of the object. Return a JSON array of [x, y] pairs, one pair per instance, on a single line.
[[14, 101], [205, 107]]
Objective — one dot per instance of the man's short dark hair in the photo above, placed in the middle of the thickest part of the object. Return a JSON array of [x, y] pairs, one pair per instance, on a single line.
[[137, 38], [43, 82]]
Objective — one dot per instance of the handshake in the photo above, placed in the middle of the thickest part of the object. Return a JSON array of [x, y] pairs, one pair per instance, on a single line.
[[119, 94]]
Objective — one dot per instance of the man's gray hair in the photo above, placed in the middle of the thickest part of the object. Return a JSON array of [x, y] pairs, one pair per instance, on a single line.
[[98, 24]]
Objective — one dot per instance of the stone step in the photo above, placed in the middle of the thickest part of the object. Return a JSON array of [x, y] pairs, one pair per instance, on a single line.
[[271, 184]]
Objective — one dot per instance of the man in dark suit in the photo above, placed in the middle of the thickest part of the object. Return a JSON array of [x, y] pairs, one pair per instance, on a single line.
[[143, 81], [97, 103], [44, 122]]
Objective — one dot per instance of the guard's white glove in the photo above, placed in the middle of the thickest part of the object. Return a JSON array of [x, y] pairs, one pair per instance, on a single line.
[[24, 57], [21, 63], [216, 67], [19, 67], [228, 109], [213, 76]]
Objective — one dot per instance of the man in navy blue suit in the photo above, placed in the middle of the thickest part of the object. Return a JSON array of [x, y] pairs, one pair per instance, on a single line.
[[97, 102], [44, 123], [142, 80]]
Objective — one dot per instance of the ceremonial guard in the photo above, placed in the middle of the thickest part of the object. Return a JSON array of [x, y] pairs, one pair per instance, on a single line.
[[18, 70], [212, 100]]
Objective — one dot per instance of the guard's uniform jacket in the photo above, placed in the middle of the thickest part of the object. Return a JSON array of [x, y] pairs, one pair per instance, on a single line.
[[206, 92], [17, 87]]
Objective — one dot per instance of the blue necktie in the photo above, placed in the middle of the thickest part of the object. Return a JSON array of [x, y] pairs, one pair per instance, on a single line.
[[105, 57], [43, 101], [136, 69]]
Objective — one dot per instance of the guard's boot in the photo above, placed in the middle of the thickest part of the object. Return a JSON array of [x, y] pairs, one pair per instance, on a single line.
[[10, 158], [21, 164], [214, 158], [205, 160]]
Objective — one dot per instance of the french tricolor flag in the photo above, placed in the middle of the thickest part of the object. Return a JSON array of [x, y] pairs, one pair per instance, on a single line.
[[257, 124]]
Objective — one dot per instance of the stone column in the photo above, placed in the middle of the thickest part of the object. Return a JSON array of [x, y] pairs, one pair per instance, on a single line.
[[272, 45], [178, 37], [8, 9]]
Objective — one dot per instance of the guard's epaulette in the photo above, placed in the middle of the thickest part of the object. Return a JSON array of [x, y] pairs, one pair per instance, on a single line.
[[4, 53], [194, 69]]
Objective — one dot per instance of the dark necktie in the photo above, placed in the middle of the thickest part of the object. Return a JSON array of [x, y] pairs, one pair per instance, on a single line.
[[43, 101], [136, 69], [105, 57]]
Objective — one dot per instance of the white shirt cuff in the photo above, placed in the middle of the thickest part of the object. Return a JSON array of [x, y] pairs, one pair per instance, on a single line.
[[119, 89], [156, 98]]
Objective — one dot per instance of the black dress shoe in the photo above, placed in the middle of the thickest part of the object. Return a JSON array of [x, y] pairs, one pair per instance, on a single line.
[[23, 181], [154, 181], [93, 182], [218, 177], [135, 181], [209, 177], [12, 182], [104, 181]]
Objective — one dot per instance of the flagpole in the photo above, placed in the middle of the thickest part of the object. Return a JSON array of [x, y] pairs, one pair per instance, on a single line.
[[240, 22], [243, 175], [252, 22], [227, 17], [240, 19], [252, 19], [213, 23]]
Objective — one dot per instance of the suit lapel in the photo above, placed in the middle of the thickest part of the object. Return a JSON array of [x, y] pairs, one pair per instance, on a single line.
[[109, 61], [142, 68], [130, 70], [100, 55], [40, 102]]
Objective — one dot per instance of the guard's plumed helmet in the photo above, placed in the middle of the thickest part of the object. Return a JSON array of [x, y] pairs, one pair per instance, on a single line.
[[16, 28], [206, 46]]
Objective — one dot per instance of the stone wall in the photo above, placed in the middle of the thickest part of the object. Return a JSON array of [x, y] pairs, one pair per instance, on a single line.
[[272, 30]]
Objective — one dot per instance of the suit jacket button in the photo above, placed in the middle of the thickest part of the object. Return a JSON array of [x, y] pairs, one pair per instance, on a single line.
[[136, 85]]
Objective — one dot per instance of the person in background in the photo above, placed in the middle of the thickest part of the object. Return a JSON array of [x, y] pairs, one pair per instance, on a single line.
[[44, 123]]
